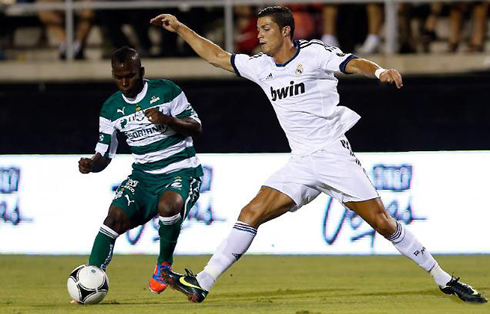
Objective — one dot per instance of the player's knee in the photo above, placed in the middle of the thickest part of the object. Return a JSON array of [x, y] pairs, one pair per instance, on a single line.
[[117, 220], [168, 209], [252, 214]]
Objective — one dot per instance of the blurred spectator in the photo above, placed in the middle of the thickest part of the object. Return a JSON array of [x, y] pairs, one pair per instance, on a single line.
[[54, 22], [246, 26], [375, 21], [197, 18], [307, 20], [111, 23], [429, 30], [408, 44], [329, 16], [479, 15], [456, 19]]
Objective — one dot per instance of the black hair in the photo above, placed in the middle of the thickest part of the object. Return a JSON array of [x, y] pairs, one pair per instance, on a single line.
[[125, 54], [282, 16]]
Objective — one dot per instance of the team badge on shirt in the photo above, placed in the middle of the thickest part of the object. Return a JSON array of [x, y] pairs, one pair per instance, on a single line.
[[299, 69], [154, 99]]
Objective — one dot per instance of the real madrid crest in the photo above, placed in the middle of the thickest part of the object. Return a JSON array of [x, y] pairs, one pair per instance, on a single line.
[[299, 69]]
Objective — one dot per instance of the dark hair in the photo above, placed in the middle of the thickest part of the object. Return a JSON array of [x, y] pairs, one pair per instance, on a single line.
[[282, 16], [125, 54]]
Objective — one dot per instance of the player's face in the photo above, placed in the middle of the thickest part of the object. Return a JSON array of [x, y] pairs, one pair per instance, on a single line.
[[269, 35], [128, 78]]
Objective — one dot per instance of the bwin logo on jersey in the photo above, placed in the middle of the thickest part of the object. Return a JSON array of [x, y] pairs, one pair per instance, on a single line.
[[288, 91]]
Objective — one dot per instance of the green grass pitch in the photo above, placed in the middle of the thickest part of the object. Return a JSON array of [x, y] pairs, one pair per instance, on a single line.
[[256, 284]]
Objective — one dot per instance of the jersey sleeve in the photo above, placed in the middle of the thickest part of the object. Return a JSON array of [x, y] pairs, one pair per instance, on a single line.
[[245, 66], [183, 108], [107, 144], [332, 59], [180, 106]]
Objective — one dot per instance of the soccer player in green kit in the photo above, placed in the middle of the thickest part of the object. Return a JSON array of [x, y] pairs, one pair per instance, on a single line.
[[159, 124]]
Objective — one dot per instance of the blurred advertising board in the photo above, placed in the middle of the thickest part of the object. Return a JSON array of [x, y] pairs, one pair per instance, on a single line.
[[48, 207]]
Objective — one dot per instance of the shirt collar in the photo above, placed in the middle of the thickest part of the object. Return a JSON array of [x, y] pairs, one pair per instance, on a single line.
[[296, 44], [138, 97]]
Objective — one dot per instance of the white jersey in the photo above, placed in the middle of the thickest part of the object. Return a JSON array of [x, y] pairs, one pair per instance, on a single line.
[[303, 92]]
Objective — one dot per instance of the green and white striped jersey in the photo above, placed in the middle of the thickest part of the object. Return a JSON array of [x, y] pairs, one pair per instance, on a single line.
[[156, 148]]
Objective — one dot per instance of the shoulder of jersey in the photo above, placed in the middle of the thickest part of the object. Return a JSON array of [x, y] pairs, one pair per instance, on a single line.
[[159, 83], [258, 56], [315, 44], [115, 100]]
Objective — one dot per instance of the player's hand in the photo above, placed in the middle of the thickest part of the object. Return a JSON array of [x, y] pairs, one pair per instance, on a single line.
[[156, 117], [167, 21], [85, 165], [391, 76]]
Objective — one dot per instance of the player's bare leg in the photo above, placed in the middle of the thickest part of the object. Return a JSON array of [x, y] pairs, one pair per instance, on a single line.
[[374, 213], [170, 221], [267, 205]]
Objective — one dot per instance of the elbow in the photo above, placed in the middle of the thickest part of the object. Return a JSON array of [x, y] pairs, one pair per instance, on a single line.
[[197, 132]]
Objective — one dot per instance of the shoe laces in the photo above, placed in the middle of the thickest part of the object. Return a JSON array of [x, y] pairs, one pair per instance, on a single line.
[[460, 287]]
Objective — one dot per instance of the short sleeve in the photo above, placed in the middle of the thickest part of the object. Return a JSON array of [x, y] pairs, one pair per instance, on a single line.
[[107, 144], [181, 108], [245, 66], [332, 59]]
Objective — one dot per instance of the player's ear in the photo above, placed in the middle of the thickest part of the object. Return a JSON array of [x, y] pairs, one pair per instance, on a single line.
[[286, 31], [142, 72]]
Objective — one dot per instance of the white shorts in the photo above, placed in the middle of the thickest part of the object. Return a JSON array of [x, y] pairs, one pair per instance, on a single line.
[[333, 170]]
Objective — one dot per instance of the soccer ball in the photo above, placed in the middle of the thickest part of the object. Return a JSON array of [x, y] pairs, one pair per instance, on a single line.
[[88, 284]]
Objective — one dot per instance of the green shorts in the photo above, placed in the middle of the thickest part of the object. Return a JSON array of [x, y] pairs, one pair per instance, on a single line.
[[139, 194]]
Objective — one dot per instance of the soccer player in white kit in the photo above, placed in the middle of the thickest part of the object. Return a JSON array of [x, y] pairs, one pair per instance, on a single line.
[[298, 78]]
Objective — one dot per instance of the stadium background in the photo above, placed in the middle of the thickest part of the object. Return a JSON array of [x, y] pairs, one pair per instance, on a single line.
[[50, 107]]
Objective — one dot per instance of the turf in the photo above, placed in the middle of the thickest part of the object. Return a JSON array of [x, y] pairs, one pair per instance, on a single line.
[[256, 284]]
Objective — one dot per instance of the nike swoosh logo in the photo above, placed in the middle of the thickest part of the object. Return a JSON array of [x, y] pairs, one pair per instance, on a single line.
[[185, 283]]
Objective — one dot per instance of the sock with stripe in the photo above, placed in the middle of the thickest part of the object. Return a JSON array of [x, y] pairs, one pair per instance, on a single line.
[[230, 250], [103, 247], [169, 230], [407, 244]]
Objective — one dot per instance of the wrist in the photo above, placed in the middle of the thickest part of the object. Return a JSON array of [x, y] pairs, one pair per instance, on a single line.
[[378, 72], [165, 119]]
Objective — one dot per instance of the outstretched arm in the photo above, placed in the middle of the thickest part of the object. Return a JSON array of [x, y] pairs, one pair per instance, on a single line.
[[205, 48], [95, 164], [371, 69]]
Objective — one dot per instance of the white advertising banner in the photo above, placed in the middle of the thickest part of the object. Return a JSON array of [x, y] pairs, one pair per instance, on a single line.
[[48, 207]]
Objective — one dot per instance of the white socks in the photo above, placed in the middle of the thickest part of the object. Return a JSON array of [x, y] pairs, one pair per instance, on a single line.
[[406, 243], [230, 250], [242, 235]]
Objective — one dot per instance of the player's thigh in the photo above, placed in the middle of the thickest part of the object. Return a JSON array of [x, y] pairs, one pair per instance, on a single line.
[[178, 195], [137, 200], [340, 174], [297, 180], [375, 214], [266, 205]]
